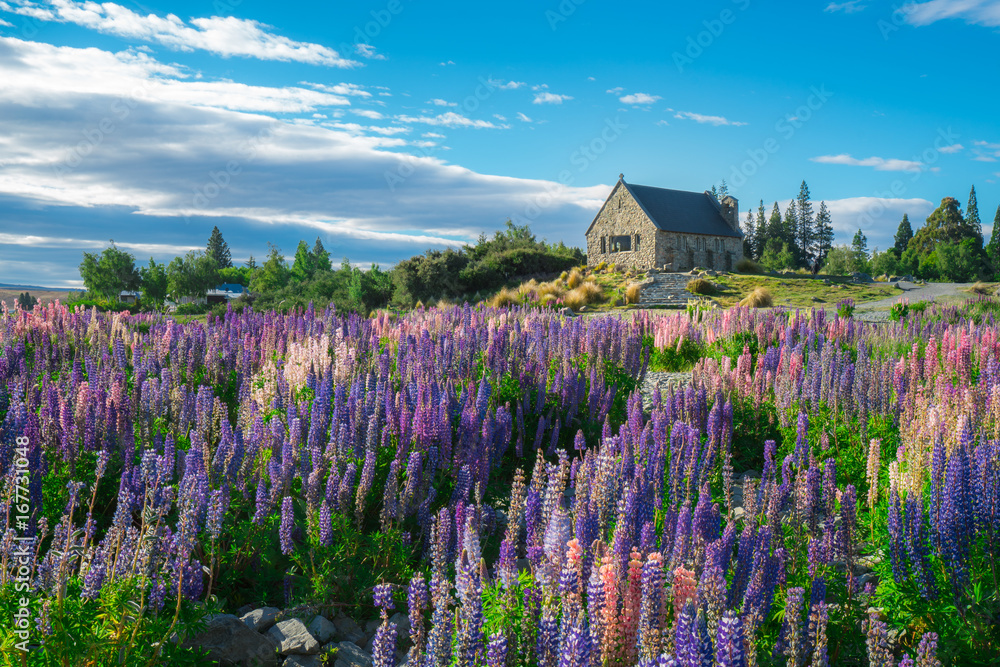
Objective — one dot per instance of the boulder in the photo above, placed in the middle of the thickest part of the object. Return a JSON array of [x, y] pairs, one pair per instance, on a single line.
[[350, 654], [322, 629], [348, 630], [261, 620], [231, 643], [860, 277], [302, 661], [292, 636], [402, 622]]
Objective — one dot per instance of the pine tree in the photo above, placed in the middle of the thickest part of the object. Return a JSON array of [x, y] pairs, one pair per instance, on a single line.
[[860, 247], [993, 248], [749, 235], [218, 249], [804, 233], [761, 229], [321, 257], [723, 190], [773, 224], [824, 232], [714, 193], [972, 214], [903, 235], [789, 227]]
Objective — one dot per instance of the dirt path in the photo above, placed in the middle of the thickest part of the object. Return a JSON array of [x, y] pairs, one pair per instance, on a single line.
[[914, 292]]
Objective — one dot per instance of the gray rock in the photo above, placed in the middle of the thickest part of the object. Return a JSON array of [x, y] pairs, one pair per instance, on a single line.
[[402, 622], [261, 620], [350, 654], [245, 609], [302, 661], [292, 636], [323, 630], [523, 565], [348, 630], [231, 643]]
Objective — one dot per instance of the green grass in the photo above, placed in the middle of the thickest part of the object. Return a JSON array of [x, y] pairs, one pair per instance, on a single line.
[[799, 292]]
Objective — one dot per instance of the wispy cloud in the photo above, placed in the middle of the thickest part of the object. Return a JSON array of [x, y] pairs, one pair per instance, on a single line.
[[368, 51], [500, 84], [226, 36], [6, 24], [451, 119], [523, 117], [639, 99], [707, 120], [849, 7], [550, 98], [878, 163], [979, 12], [368, 113], [954, 148], [442, 103], [984, 151], [618, 90]]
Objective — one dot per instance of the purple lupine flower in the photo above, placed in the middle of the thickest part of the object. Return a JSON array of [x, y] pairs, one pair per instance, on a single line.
[[217, 506], [325, 524], [729, 647], [877, 642], [383, 598], [917, 548], [818, 619], [384, 645], [927, 651], [285, 530], [417, 600], [896, 536], [792, 625], [651, 606], [686, 641], [496, 650]]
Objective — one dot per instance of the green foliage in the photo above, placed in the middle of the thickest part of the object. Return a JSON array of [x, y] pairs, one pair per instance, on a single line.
[[681, 357], [273, 274], [192, 275], [884, 263], [903, 235], [108, 274], [949, 246], [777, 256], [899, 310], [859, 246], [154, 283], [839, 261], [963, 262]]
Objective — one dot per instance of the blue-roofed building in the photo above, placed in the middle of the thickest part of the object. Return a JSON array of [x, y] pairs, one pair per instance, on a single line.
[[672, 230], [224, 292]]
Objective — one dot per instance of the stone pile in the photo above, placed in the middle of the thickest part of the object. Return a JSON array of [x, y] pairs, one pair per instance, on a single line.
[[269, 637]]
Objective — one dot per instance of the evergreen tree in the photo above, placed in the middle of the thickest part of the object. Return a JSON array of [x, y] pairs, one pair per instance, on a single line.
[[714, 192], [804, 232], [993, 249], [860, 248], [723, 190], [321, 258], [903, 235], [972, 220], [749, 235], [304, 265], [218, 249], [773, 225], [824, 231], [944, 225], [251, 264], [789, 227], [761, 230]]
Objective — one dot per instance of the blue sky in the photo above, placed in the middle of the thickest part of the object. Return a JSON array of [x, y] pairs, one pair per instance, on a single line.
[[389, 127]]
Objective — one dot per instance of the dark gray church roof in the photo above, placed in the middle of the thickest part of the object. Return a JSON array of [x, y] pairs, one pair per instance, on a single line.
[[681, 211]]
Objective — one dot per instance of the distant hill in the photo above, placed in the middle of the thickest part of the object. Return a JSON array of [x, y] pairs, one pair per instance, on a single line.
[[35, 288]]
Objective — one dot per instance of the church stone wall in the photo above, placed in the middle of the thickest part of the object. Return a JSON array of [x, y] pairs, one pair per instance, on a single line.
[[622, 216], [669, 251]]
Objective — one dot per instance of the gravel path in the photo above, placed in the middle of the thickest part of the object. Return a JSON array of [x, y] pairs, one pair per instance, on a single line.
[[664, 380], [914, 292]]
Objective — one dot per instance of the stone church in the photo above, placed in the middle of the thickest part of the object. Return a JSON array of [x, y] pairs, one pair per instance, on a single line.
[[672, 230]]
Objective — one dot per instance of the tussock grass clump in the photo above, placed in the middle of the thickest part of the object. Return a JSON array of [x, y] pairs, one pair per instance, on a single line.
[[601, 266], [574, 279], [553, 289], [701, 286], [547, 300], [504, 298], [980, 288], [747, 265], [564, 276], [761, 297], [584, 295], [633, 293]]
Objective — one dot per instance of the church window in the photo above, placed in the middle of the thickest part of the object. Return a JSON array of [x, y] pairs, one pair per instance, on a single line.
[[621, 243], [604, 244]]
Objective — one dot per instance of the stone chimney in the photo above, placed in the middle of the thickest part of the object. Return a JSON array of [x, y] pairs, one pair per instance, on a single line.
[[731, 212]]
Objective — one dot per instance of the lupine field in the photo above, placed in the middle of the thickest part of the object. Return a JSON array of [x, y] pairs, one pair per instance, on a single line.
[[824, 492]]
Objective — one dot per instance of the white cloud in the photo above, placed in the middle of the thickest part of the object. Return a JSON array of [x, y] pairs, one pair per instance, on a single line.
[[848, 7], [345, 89], [710, 120], [368, 51], [954, 148], [6, 24], [878, 163], [984, 158], [980, 12], [878, 217], [442, 103], [450, 119], [367, 113], [432, 135], [223, 35], [500, 84], [662, 122], [550, 98], [616, 91], [984, 151], [523, 117], [445, 64], [500, 117], [639, 99], [540, 86]]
